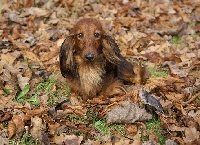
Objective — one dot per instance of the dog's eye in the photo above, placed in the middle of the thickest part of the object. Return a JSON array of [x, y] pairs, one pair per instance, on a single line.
[[96, 35], [80, 35]]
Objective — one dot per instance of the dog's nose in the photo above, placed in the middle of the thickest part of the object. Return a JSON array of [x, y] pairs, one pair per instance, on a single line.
[[89, 56]]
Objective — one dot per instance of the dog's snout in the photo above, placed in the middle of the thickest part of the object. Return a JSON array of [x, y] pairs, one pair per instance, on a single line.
[[89, 56]]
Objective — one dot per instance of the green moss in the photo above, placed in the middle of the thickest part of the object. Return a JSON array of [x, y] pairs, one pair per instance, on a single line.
[[157, 72], [176, 40], [106, 129], [154, 125], [25, 140], [54, 89], [99, 124]]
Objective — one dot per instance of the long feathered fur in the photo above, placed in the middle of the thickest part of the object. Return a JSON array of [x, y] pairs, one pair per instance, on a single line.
[[91, 62]]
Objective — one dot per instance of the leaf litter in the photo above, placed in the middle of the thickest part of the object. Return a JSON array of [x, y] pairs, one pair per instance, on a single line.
[[160, 35]]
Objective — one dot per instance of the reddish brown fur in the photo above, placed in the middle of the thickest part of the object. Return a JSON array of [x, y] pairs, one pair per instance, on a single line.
[[99, 74]]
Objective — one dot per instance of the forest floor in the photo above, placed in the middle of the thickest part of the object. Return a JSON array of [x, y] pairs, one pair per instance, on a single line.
[[163, 35]]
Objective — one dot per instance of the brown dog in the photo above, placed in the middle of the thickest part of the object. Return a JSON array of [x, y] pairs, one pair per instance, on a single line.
[[91, 61]]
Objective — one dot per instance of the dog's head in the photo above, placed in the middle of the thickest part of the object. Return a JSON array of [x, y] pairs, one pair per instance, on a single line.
[[87, 42], [88, 33]]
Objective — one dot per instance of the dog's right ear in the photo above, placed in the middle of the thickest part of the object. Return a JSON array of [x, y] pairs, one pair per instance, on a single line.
[[66, 56]]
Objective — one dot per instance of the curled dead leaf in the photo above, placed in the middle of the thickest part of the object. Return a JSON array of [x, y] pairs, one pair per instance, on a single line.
[[11, 129], [127, 112], [151, 100]]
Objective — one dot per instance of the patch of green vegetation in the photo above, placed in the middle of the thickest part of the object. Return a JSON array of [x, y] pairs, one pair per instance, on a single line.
[[156, 72], [52, 88], [25, 140], [144, 138], [7, 91], [176, 40], [75, 118], [102, 127], [106, 129], [99, 124], [22, 97], [154, 125]]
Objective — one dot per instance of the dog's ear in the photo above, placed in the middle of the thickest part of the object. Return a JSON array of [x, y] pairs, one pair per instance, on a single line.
[[66, 56], [111, 50], [112, 53]]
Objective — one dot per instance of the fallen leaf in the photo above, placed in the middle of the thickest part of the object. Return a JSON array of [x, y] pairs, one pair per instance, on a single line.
[[38, 12], [191, 135], [175, 69], [11, 129], [67, 139], [151, 100], [22, 81], [32, 56], [126, 112]]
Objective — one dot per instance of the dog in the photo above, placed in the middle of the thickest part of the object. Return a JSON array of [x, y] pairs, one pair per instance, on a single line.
[[91, 62]]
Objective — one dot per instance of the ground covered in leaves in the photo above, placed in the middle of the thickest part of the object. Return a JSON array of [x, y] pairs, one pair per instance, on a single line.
[[163, 35]]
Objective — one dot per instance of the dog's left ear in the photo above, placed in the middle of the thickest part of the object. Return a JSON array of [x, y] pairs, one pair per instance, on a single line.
[[126, 70], [111, 50]]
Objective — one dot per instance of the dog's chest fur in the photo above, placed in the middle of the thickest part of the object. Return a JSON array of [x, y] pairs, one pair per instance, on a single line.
[[90, 74], [90, 77]]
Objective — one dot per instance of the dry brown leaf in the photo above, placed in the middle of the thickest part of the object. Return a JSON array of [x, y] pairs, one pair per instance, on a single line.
[[22, 46], [174, 68], [131, 129], [11, 129], [127, 112], [19, 123], [4, 116], [15, 126], [30, 55], [8, 58], [1, 67], [195, 115], [34, 112], [4, 140], [78, 110], [175, 97], [191, 135], [11, 68], [13, 16], [49, 55], [38, 127], [67, 139], [37, 12], [6, 75], [22, 81], [176, 128], [170, 142]]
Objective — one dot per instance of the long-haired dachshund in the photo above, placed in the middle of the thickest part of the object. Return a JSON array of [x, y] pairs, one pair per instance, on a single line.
[[91, 62]]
